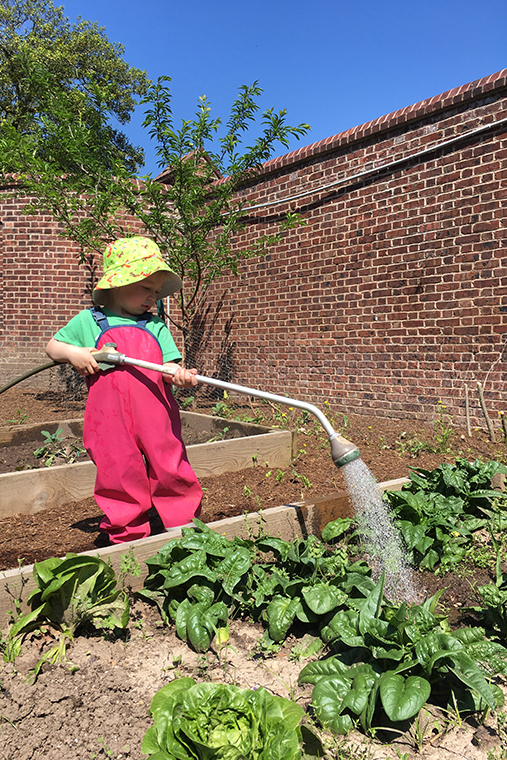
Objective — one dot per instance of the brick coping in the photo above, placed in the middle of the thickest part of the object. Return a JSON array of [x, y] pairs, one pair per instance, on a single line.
[[456, 96]]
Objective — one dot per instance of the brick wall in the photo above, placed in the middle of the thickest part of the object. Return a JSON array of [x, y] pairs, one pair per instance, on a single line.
[[43, 285], [393, 295]]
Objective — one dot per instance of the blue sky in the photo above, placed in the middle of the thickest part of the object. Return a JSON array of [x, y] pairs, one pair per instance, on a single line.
[[331, 63]]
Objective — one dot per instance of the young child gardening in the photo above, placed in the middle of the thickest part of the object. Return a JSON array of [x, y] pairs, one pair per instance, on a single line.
[[132, 427]]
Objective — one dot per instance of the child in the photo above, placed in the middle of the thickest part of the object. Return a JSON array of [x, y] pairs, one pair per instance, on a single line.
[[132, 427]]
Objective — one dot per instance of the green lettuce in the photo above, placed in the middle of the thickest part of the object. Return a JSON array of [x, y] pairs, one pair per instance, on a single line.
[[219, 721]]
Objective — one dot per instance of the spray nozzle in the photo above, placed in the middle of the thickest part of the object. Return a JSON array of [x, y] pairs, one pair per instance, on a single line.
[[342, 451]]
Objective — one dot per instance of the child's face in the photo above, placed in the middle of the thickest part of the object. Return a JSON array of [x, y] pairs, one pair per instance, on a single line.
[[135, 299]]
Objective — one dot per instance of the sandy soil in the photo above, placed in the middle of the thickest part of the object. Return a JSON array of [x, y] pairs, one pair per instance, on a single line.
[[101, 709]]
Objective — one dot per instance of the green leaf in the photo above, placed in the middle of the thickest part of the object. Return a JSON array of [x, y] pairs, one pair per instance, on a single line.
[[403, 698], [468, 673], [327, 701], [344, 626], [232, 568], [314, 671], [372, 606], [280, 614], [336, 528], [322, 598], [412, 534]]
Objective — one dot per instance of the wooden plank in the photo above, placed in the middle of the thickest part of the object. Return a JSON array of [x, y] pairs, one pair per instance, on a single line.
[[272, 449], [30, 491]]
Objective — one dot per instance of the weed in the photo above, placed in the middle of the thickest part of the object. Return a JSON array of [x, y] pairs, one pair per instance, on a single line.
[[176, 665], [307, 647], [20, 419], [501, 727], [221, 409], [443, 435], [444, 432], [280, 476], [16, 594], [55, 448], [247, 491], [104, 749], [129, 565], [219, 436], [302, 479], [424, 727], [300, 453], [265, 647], [203, 667]]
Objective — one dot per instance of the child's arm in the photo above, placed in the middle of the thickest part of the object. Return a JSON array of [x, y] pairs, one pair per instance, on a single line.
[[80, 358], [183, 378]]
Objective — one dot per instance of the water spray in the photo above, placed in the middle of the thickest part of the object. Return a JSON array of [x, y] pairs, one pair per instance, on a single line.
[[342, 451]]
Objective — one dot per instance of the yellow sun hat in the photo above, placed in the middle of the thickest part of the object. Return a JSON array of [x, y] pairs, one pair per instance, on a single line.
[[129, 260]]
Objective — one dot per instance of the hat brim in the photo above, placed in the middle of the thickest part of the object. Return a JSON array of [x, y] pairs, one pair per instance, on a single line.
[[171, 285]]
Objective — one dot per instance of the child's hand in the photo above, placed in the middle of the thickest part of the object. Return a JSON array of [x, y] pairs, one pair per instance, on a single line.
[[83, 361], [183, 378], [80, 358]]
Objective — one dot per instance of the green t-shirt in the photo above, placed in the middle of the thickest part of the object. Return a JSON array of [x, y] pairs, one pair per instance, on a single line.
[[82, 330]]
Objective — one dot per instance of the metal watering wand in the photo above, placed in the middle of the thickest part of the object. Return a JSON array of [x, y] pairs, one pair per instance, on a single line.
[[342, 451]]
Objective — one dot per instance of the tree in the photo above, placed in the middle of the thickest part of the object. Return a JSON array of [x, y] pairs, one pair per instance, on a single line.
[[44, 58], [74, 166], [196, 214]]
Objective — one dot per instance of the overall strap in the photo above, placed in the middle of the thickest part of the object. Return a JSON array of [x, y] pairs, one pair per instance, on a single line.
[[100, 318], [143, 319]]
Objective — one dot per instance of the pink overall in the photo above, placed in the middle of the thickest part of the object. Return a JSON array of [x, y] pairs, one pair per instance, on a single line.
[[132, 431]]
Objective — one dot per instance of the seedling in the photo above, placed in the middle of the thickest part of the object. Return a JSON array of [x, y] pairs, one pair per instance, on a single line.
[[219, 436], [20, 419], [55, 448]]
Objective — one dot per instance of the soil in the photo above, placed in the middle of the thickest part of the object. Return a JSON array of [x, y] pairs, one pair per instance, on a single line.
[[99, 708]]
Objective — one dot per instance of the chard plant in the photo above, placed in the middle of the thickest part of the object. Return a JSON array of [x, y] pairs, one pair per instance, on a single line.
[[390, 660], [210, 720], [70, 594]]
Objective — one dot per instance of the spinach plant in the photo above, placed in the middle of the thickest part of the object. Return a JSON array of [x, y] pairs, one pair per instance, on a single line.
[[389, 660], [202, 579], [196, 579], [439, 510]]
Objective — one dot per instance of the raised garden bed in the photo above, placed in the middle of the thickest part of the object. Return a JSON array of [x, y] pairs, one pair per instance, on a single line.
[[288, 522], [231, 446]]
